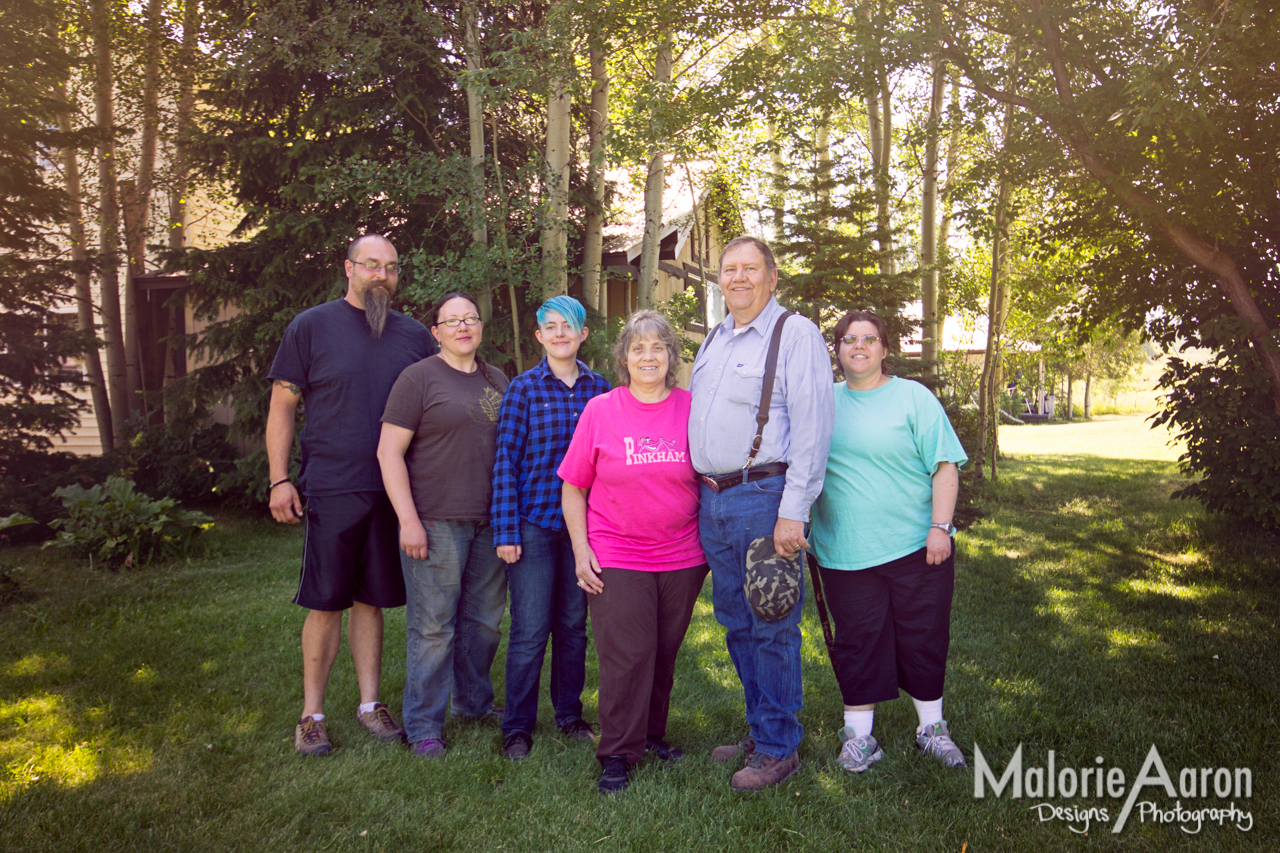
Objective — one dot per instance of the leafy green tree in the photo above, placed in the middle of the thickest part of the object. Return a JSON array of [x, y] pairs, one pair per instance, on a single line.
[[36, 397]]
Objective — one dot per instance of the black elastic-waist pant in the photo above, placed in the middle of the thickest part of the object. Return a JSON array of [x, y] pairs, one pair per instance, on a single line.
[[892, 628], [639, 622]]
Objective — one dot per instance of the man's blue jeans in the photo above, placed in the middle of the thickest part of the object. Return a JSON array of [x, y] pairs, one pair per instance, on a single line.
[[455, 601], [546, 601], [766, 654]]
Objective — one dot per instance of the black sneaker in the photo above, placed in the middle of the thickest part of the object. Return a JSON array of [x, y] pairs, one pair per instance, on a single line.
[[614, 774], [517, 746], [664, 750], [580, 730]]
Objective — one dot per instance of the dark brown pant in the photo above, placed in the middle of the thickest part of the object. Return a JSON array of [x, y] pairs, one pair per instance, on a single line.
[[639, 622]]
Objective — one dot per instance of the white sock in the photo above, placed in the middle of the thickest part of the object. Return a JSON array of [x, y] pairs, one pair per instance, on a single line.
[[929, 712], [317, 717], [860, 721], [366, 707]]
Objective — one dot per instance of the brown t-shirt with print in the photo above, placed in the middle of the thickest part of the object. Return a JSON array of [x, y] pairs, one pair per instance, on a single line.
[[454, 418]]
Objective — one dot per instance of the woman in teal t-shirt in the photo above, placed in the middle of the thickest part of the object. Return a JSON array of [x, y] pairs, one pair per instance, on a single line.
[[882, 538]]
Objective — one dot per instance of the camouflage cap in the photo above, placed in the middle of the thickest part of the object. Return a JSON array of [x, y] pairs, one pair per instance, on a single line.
[[773, 584]]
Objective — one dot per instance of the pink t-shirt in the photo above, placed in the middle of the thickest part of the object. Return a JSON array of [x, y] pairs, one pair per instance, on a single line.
[[642, 509]]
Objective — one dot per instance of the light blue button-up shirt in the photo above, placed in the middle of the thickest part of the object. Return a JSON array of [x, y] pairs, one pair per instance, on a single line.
[[727, 378]]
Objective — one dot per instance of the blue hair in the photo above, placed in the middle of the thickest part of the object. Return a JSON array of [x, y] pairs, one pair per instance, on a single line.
[[568, 308]]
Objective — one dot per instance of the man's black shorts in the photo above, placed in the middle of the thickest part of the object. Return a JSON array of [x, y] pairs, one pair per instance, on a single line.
[[351, 552]]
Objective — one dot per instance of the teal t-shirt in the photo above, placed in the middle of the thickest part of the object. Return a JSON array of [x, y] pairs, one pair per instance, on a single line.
[[877, 498]]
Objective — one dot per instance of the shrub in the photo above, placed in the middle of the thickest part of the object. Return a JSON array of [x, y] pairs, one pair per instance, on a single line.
[[29, 479], [189, 459], [116, 525], [1222, 409]]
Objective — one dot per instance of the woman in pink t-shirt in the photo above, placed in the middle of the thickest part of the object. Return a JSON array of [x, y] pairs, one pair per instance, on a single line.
[[630, 501]]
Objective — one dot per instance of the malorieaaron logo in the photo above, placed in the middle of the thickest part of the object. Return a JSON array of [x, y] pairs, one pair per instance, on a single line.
[[1101, 783]]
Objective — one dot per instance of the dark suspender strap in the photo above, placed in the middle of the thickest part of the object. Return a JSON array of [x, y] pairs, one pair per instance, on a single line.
[[821, 600], [766, 389]]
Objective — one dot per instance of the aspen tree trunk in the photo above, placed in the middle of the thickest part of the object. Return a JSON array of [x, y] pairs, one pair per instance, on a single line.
[[502, 247], [1088, 394], [555, 236], [135, 256], [885, 181], [179, 187], [593, 226], [778, 195], [475, 129], [109, 220], [997, 310], [138, 204], [880, 136], [822, 141], [656, 180], [930, 342], [83, 290], [947, 192], [186, 110]]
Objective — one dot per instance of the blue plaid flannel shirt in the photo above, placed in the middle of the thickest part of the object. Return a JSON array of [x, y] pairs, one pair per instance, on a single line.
[[538, 416]]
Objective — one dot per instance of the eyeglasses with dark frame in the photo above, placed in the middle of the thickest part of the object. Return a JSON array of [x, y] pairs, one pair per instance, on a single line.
[[453, 322], [867, 340], [392, 268]]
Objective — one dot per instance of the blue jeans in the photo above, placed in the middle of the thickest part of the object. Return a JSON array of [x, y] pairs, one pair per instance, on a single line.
[[546, 601], [455, 601], [766, 654]]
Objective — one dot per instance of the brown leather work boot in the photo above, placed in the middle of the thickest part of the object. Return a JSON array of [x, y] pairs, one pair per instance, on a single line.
[[743, 748], [764, 771]]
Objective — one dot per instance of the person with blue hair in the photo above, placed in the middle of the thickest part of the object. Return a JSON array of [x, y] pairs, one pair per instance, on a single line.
[[539, 412]]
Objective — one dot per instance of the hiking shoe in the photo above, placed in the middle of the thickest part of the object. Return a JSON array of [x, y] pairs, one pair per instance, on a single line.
[[725, 754], [381, 724], [580, 730], [858, 753], [664, 750], [614, 774], [432, 747], [310, 737], [517, 746], [764, 771], [936, 741]]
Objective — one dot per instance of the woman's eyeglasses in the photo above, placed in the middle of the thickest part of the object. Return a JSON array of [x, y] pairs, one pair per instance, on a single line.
[[453, 322], [867, 340]]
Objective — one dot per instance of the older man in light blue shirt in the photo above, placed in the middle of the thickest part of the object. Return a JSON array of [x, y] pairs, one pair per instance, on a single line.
[[771, 496]]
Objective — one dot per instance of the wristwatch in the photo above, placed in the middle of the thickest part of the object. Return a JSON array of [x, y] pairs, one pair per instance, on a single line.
[[945, 526]]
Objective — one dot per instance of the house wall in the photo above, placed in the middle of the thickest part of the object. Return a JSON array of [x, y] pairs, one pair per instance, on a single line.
[[623, 295]]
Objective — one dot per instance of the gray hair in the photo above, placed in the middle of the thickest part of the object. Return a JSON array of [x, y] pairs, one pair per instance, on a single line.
[[770, 264], [643, 324]]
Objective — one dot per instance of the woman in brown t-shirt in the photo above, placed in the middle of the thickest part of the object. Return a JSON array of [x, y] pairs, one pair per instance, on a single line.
[[439, 434]]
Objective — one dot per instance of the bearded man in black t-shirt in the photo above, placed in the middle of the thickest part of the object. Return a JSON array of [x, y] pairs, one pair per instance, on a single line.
[[343, 357]]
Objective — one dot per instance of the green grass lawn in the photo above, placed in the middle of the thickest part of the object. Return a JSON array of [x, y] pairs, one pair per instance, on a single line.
[[153, 709]]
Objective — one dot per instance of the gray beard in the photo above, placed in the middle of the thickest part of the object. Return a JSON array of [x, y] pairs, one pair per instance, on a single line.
[[377, 303]]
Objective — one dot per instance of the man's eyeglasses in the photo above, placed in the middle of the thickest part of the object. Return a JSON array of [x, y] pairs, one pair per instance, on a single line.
[[453, 322], [867, 340], [373, 266]]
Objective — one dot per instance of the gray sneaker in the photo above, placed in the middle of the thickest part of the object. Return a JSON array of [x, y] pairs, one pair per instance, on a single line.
[[857, 753], [936, 741]]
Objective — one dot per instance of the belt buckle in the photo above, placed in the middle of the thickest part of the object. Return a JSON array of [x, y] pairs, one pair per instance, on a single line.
[[711, 483]]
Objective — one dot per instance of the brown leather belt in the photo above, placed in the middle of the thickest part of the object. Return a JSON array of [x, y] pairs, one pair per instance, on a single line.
[[720, 482]]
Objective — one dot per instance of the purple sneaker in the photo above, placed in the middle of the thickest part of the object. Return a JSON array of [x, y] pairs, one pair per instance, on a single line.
[[432, 747]]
